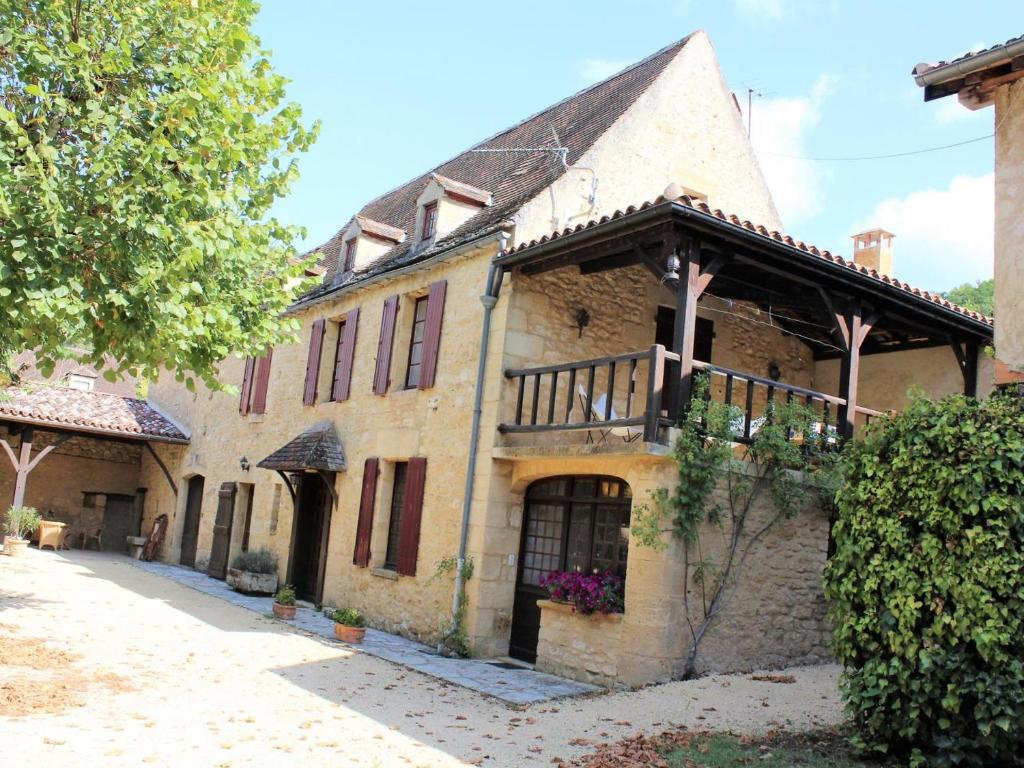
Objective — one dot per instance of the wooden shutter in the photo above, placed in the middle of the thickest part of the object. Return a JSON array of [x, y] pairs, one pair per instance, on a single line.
[[259, 397], [243, 403], [412, 510], [432, 333], [316, 339], [343, 364], [364, 527], [382, 374]]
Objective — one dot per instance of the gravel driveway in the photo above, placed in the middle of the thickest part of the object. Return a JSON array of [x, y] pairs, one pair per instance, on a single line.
[[105, 664]]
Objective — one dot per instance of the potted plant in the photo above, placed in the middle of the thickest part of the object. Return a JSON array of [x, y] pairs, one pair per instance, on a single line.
[[349, 625], [587, 593], [254, 572], [284, 602], [20, 523]]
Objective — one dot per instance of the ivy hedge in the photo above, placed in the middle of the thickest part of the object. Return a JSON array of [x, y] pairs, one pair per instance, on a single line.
[[927, 583]]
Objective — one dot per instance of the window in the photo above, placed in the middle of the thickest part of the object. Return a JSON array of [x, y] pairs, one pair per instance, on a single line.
[[395, 523], [350, 255], [429, 221], [84, 383], [419, 327]]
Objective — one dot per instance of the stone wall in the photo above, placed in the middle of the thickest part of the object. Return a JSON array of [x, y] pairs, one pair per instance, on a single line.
[[1009, 228], [584, 648]]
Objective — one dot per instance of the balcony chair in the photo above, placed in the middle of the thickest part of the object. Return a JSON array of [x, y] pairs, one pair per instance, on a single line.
[[51, 534], [628, 434]]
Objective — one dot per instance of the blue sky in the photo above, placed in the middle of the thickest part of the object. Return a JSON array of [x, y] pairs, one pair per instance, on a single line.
[[402, 86]]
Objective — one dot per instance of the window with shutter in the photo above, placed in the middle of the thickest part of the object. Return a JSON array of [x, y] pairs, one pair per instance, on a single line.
[[419, 324], [382, 373], [432, 334], [259, 395], [243, 403], [316, 339], [350, 255], [412, 511], [367, 500], [395, 521], [344, 356], [429, 226]]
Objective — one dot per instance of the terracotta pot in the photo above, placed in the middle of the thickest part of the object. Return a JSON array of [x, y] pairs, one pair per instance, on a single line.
[[15, 547], [353, 635], [284, 611]]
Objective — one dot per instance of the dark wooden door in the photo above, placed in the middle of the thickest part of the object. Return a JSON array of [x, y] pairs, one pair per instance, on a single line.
[[570, 524], [310, 531], [218, 565], [118, 518], [193, 512]]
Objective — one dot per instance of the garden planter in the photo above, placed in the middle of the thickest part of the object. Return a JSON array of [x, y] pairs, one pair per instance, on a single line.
[[353, 635], [252, 583], [14, 547], [284, 611]]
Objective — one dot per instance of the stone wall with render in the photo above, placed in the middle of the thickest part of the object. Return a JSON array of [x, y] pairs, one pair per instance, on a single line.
[[1009, 228]]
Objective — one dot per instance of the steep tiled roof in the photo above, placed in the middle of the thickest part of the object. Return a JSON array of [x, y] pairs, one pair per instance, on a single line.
[[512, 177], [921, 69], [316, 448], [98, 412], [703, 208]]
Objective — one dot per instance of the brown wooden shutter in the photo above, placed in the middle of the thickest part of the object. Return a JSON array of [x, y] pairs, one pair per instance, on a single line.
[[364, 527], [412, 510], [432, 333], [316, 339], [343, 364], [382, 374], [243, 403], [259, 396]]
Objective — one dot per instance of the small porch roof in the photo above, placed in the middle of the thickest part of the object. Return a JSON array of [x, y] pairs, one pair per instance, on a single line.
[[752, 263], [318, 448]]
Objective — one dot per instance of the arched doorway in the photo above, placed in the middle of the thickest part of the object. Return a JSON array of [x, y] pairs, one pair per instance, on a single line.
[[570, 523], [193, 513]]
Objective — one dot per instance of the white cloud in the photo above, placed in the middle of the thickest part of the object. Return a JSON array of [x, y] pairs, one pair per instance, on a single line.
[[779, 130], [771, 9], [952, 111], [595, 70], [943, 236]]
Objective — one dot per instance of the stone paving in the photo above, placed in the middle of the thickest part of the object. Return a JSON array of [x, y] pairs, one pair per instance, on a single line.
[[513, 686]]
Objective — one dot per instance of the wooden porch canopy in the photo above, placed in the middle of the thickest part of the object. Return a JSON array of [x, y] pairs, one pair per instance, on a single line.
[[841, 310], [318, 449], [69, 413]]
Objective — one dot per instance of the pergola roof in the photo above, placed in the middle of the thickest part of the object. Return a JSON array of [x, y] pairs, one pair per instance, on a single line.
[[101, 413], [316, 448]]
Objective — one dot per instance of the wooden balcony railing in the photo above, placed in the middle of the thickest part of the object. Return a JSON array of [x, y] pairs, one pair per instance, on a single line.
[[630, 390]]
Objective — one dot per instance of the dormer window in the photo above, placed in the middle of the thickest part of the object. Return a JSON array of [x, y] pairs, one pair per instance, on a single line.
[[350, 255], [429, 220]]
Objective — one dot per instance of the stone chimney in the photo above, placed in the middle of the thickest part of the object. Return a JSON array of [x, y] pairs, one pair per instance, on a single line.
[[873, 249]]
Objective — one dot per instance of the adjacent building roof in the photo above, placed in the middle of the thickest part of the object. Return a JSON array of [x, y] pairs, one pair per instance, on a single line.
[[94, 412], [527, 161], [972, 61], [703, 209], [316, 448]]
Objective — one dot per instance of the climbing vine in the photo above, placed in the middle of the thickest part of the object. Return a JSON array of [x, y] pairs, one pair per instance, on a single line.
[[453, 630], [790, 458]]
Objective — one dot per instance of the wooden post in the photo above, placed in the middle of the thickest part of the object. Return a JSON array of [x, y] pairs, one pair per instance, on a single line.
[[684, 332], [971, 369], [655, 382], [850, 372]]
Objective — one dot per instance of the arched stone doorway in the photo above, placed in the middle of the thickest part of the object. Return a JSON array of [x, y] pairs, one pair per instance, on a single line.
[[570, 523]]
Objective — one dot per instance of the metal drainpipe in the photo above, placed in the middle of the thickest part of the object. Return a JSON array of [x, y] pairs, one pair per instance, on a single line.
[[489, 299]]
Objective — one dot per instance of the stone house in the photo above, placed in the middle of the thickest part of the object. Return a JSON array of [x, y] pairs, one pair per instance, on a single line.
[[995, 77], [455, 395]]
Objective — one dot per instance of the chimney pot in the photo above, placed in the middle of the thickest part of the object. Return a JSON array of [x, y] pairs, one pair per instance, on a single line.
[[872, 249]]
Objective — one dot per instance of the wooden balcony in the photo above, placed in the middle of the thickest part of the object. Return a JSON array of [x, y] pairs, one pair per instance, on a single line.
[[628, 397]]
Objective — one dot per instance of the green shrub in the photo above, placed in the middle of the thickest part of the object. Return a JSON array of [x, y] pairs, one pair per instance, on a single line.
[[260, 560], [285, 595], [21, 522], [349, 617], [927, 583]]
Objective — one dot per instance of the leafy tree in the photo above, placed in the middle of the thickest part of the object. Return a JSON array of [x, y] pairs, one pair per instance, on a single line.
[[927, 583], [142, 144], [979, 296]]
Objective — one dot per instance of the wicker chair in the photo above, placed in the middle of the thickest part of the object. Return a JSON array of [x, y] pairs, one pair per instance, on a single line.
[[94, 537], [51, 534]]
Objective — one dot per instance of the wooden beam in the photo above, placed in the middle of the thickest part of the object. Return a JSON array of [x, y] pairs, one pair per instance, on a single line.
[[849, 374], [708, 273], [10, 454], [163, 468], [841, 332], [288, 484]]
